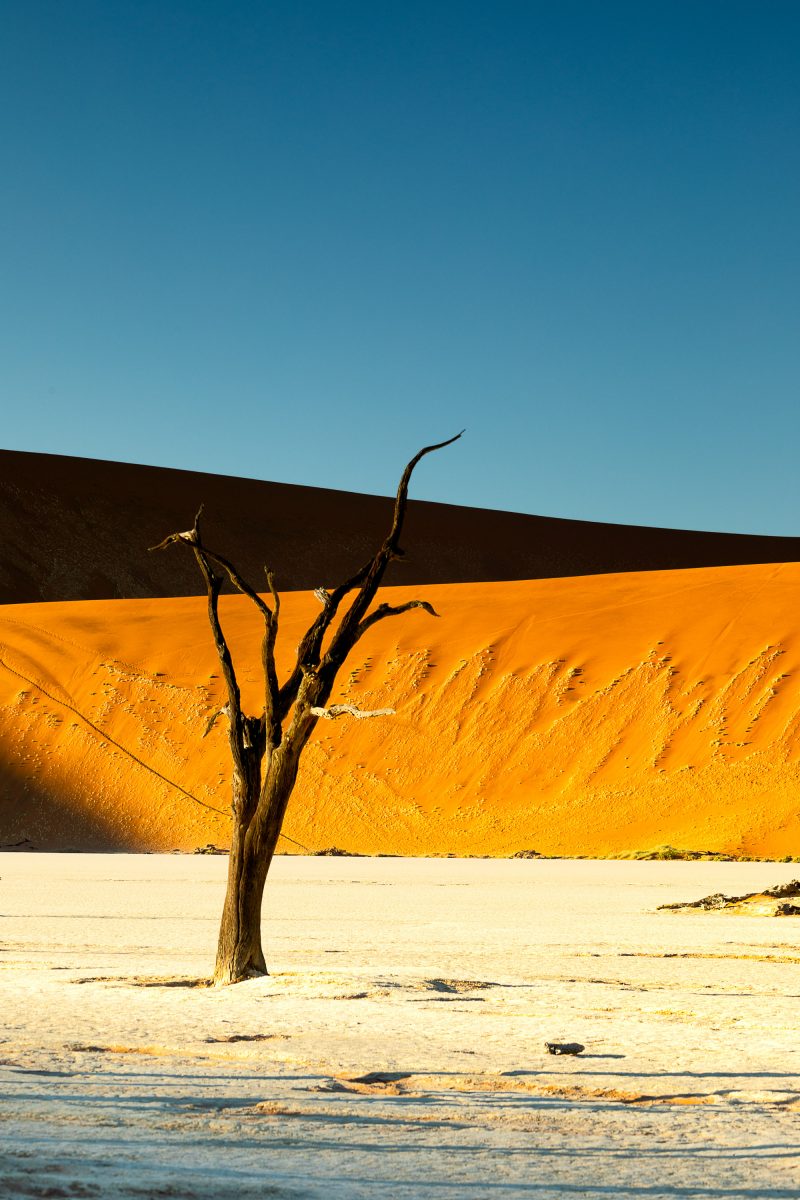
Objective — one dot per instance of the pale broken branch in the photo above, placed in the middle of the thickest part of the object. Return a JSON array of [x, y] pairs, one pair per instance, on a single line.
[[308, 652], [225, 711], [350, 710], [190, 536]]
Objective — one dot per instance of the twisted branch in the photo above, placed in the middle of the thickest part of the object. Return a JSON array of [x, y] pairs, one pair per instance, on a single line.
[[393, 610]]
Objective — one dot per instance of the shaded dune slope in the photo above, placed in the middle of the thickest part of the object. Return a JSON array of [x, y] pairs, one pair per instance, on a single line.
[[590, 715], [77, 529]]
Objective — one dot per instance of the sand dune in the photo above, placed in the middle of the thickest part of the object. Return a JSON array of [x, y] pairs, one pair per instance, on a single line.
[[78, 529], [596, 715]]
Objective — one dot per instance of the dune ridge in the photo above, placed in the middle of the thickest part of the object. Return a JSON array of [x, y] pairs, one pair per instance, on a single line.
[[580, 716], [78, 529]]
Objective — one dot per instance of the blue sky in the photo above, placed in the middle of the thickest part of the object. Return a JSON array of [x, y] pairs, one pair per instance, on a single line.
[[298, 240]]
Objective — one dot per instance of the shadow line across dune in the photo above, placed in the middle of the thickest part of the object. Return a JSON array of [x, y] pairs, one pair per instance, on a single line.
[[106, 737]]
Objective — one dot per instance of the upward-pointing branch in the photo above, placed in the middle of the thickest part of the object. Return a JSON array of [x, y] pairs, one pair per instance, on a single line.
[[349, 629], [367, 579], [402, 490]]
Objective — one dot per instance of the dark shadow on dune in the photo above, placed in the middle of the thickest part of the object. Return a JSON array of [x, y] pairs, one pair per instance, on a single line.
[[43, 809], [49, 814], [104, 736], [109, 513]]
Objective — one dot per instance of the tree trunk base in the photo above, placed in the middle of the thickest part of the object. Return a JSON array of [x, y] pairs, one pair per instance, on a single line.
[[227, 975]]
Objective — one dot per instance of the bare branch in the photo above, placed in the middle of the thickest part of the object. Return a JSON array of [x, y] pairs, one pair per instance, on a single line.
[[350, 710], [308, 652], [213, 584], [393, 610], [173, 537], [367, 579], [206, 560], [221, 712], [273, 592], [190, 536], [402, 491], [240, 584], [233, 709], [349, 628], [272, 692]]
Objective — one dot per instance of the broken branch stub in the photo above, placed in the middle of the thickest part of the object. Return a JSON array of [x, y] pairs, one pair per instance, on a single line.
[[350, 710]]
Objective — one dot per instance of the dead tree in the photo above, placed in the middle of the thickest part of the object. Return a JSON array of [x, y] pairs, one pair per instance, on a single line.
[[266, 749]]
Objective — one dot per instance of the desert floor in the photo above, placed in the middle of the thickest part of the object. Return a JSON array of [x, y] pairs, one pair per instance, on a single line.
[[398, 1047]]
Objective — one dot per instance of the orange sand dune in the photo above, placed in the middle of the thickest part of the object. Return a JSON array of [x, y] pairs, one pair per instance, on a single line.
[[592, 715]]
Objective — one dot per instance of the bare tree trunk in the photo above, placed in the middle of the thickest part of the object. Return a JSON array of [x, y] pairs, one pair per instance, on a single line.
[[239, 949], [262, 743], [239, 953]]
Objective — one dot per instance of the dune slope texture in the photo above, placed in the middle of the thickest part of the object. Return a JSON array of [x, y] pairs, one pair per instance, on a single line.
[[597, 716], [78, 529]]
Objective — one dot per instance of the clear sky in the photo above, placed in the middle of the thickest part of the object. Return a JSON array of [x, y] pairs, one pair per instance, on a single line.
[[298, 240]]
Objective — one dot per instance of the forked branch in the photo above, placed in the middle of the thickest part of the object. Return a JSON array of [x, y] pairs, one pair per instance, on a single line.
[[241, 733], [356, 621], [309, 650], [367, 580], [192, 537]]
